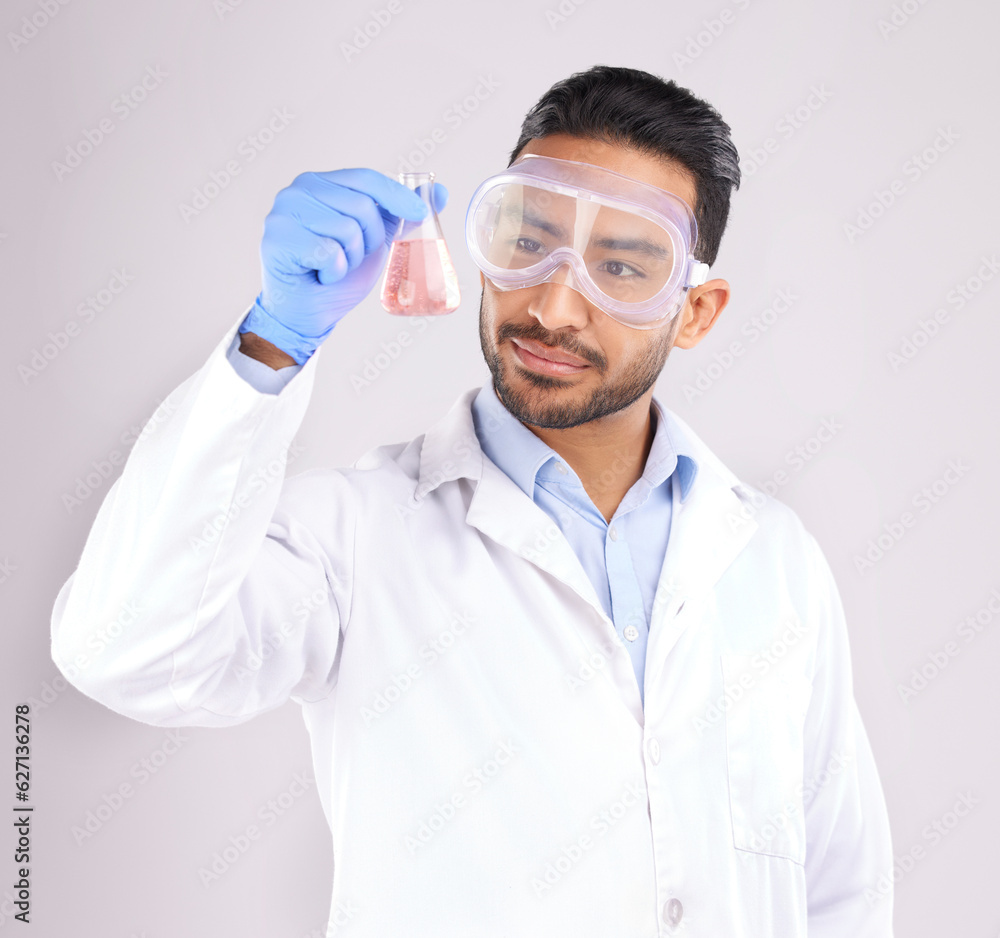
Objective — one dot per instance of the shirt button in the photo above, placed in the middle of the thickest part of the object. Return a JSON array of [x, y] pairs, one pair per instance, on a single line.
[[653, 748], [613, 533], [560, 468], [631, 633], [673, 912]]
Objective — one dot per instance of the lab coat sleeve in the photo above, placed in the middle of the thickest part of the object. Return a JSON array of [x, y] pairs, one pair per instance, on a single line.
[[203, 595], [847, 827]]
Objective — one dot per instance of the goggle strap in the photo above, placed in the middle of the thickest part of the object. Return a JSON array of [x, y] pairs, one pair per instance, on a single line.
[[697, 275]]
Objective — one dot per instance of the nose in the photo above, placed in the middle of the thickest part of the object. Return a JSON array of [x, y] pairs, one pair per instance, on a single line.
[[556, 305]]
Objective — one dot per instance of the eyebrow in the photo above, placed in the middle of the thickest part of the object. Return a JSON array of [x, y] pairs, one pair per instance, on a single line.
[[537, 221], [633, 246], [630, 245]]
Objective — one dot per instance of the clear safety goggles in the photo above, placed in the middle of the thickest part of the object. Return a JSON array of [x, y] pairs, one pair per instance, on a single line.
[[624, 244]]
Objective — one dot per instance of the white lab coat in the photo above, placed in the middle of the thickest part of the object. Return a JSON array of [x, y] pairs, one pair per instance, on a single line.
[[480, 748]]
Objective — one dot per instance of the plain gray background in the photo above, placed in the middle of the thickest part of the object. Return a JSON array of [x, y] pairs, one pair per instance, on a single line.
[[876, 85]]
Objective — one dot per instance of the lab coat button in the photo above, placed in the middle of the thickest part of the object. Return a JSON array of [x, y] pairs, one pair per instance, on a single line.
[[613, 533], [673, 912], [653, 748], [631, 633]]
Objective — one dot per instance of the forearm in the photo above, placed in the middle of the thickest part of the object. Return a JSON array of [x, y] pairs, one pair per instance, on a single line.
[[253, 346]]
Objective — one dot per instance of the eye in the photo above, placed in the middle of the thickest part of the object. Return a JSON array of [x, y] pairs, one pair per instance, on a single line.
[[530, 246], [619, 269]]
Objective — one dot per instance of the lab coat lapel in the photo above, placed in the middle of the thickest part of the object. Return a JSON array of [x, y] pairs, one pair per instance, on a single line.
[[499, 509], [503, 512], [709, 529]]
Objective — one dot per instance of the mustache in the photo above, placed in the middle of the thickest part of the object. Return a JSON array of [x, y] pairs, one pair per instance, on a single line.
[[538, 333]]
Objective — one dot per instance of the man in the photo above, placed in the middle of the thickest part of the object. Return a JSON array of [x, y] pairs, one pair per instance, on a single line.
[[563, 673]]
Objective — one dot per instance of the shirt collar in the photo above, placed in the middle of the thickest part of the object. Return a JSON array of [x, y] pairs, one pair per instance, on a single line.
[[521, 455]]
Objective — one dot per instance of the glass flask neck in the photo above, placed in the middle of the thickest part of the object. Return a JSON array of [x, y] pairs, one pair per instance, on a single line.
[[430, 228], [412, 180]]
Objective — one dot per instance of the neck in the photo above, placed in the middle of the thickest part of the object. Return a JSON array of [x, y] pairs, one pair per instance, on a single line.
[[609, 454]]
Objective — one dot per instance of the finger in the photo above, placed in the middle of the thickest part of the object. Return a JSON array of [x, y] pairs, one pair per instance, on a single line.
[[352, 232], [394, 196], [440, 197], [289, 251], [320, 208]]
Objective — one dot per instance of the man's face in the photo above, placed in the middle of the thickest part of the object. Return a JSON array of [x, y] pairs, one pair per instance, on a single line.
[[613, 365]]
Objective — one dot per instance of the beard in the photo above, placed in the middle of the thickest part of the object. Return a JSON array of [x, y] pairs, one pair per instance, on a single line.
[[632, 377]]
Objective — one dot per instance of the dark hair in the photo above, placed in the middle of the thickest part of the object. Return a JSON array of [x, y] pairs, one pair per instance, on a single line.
[[636, 109]]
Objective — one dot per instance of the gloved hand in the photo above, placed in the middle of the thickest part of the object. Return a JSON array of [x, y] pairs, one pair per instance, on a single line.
[[325, 242]]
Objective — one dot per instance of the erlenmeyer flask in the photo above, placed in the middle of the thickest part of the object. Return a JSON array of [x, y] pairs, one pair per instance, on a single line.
[[419, 277]]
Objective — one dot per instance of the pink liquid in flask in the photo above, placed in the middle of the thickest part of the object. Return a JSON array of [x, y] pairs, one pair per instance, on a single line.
[[420, 279]]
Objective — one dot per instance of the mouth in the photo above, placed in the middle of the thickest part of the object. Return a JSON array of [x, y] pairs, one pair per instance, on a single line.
[[546, 360]]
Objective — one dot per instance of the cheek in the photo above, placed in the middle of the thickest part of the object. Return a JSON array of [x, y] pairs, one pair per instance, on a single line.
[[485, 308], [487, 305], [636, 352], [496, 308], [490, 320], [620, 350]]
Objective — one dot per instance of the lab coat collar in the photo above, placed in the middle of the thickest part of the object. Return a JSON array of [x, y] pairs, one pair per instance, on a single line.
[[451, 450]]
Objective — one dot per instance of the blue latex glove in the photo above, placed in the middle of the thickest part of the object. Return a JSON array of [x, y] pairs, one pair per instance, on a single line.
[[325, 243]]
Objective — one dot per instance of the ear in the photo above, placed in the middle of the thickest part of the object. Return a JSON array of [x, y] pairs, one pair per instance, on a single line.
[[701, 310]]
